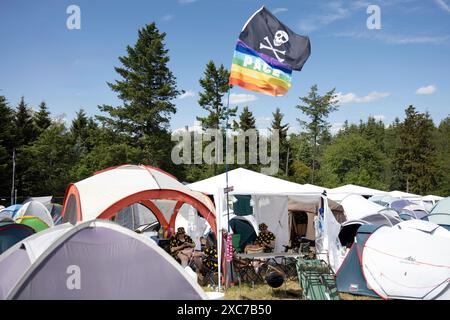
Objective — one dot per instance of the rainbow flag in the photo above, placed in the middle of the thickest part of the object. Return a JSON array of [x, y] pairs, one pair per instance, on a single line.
[[256, 71], [266, 53]]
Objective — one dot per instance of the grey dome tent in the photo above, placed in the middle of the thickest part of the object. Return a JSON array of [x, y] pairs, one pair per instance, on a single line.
[[93, 260], [349, 229]]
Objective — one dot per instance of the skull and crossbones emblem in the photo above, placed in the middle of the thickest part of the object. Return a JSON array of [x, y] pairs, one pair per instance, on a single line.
[[280, 38]]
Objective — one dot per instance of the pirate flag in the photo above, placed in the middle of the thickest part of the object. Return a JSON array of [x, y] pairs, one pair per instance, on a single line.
[[266, 53]]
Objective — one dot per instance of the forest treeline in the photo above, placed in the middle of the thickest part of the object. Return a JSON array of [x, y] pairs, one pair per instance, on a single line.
[[410, 155]]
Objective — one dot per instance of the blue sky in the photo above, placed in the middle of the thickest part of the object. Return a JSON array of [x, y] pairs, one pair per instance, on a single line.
[[376, 72]]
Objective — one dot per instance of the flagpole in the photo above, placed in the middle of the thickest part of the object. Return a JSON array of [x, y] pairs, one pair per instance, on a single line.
[[226, 157], [13, 177], [228, 265]]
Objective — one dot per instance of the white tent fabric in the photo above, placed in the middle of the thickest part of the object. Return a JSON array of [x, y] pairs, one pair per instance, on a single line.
[[328, 246], [273, 211], [35, 209], [46, 200], [404, 195], [249, 182], [432, 198], [407, 261], [114, 263], [339, 193], [115, 184], [356, 207]]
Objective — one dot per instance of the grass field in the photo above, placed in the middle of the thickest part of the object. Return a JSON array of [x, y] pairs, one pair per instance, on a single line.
[[290, 290]]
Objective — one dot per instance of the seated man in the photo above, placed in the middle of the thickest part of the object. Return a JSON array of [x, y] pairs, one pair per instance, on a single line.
[[182, 246], [265, 241]]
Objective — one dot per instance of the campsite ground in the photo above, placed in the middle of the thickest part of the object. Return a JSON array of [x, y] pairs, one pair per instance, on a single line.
[[290, 290]]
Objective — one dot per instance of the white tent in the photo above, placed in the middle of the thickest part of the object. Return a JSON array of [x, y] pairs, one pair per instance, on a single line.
[[269, 197], [93, 260], [339, 193], [404, 195], [408, 261], [35, 209], [432, 198], [250, 182], [357, 207]]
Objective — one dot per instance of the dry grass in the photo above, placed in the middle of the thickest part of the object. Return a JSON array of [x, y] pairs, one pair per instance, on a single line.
[[290, 290]]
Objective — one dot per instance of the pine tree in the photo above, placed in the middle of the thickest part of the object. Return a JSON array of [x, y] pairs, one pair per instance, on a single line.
[[42, 118], [317, 108], [284, 144], [247, 120], [6, 145], [24, 126], [215, 85], [415, 155], [147, 89]]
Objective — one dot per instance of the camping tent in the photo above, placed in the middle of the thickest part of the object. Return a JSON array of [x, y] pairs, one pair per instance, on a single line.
[[45, 200], [407, 261], [404, 195], [350, 277], [11, 233], [430, 201], [357, 207], [111, 190], [440, 214], [35, 215], [10, 212], [349, 229], [339, 193], [303, 211], [93, 260]]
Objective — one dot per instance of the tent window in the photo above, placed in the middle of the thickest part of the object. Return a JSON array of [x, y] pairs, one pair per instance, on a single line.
[[71, 210], [242, 206]]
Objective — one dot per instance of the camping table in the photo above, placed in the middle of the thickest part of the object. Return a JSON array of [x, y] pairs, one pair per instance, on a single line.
[[282, 260]]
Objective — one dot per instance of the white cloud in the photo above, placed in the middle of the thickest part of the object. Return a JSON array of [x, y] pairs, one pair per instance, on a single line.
[[335, 127], [236, 98], [444, 6], [197, 127], [263, 122], [187, 94], [353, 98], [379, 117], [330, 12], [279, 10], [426, 90], [167, 17], [390, 38]]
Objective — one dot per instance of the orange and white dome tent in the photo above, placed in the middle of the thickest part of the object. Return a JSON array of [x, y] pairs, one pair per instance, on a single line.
[[108, 191]]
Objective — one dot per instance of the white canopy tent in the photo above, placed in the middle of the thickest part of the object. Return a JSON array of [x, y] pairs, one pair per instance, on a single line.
[[269, 197], [339, 193]]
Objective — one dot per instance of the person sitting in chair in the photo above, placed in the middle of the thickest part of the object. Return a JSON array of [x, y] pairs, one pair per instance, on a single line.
[[265, 238], [182, 246], [265, 241]]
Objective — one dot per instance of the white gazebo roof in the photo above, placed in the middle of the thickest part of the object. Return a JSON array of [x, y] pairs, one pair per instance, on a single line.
[[246, 181]]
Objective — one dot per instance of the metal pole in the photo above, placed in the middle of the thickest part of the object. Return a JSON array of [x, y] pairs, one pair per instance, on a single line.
[[226, 159], [227, 190], [13, 177]]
